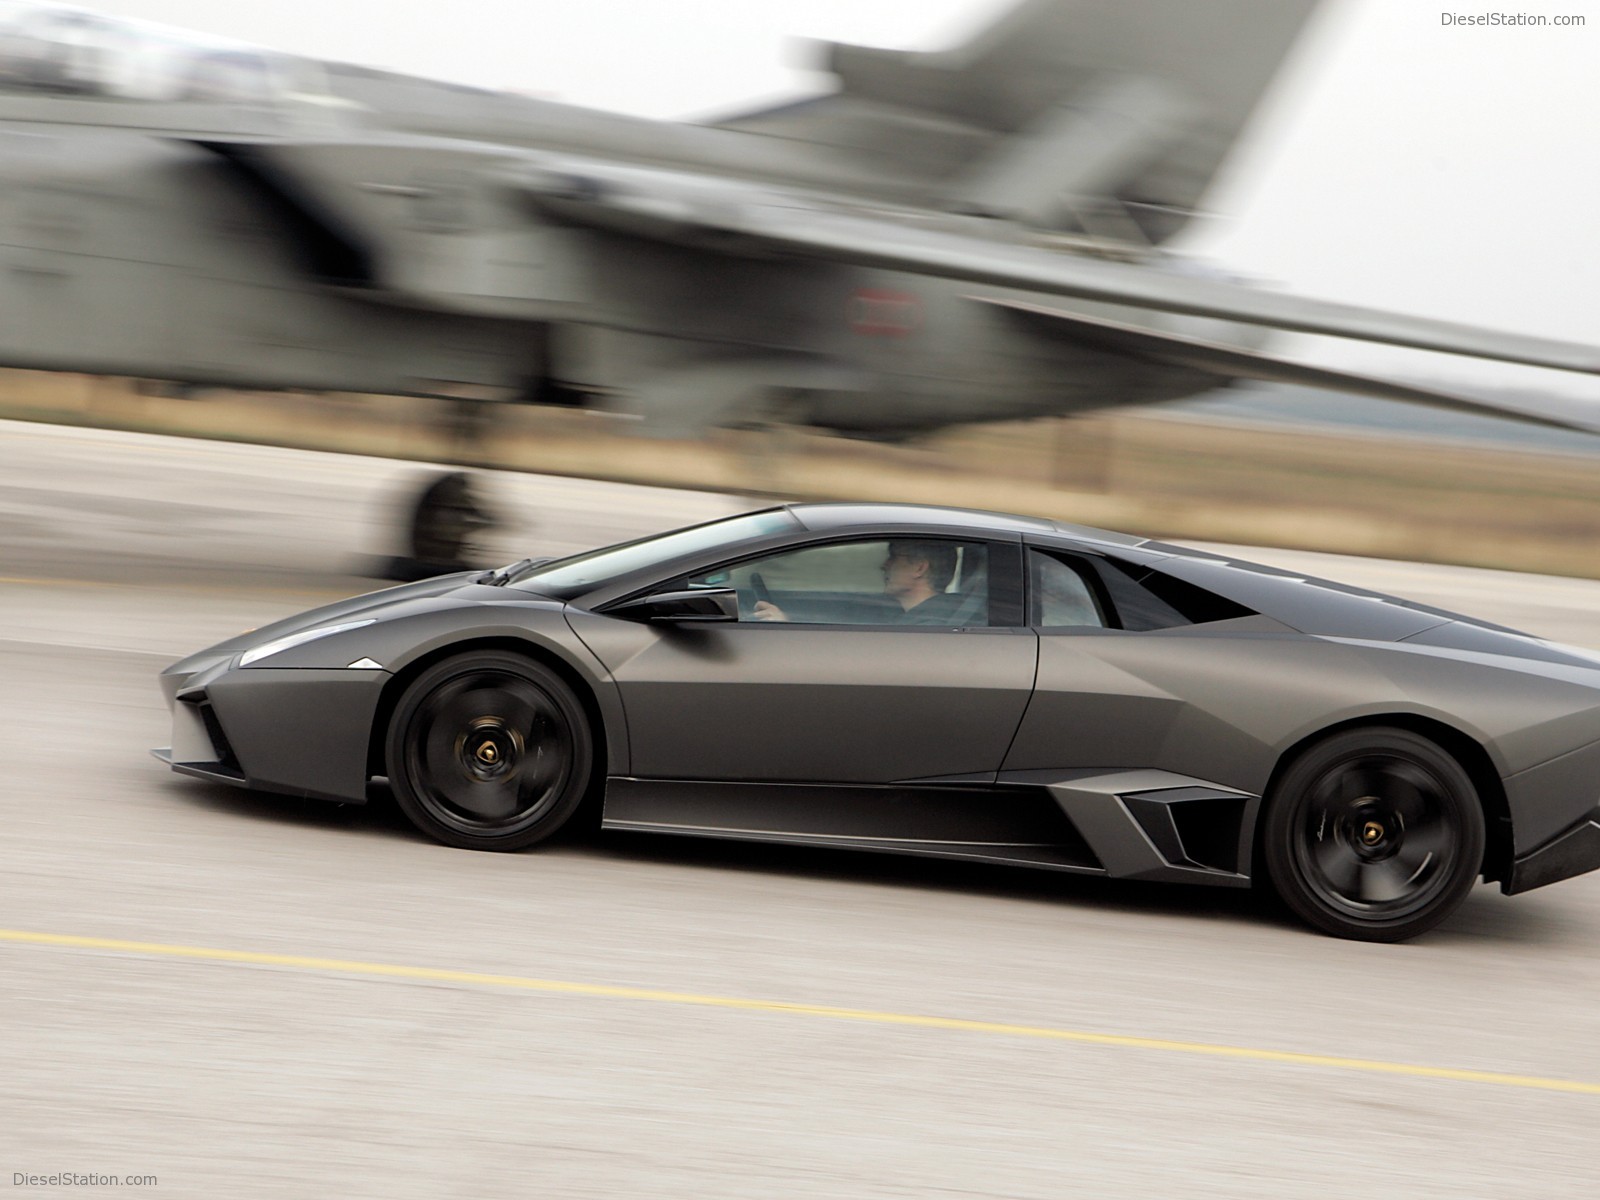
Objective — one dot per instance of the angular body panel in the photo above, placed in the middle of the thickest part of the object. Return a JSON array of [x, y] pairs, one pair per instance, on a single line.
[[851, 705], [301, 732]]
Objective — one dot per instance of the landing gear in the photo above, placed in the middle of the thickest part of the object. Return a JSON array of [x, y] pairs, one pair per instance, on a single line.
[[441, 529]]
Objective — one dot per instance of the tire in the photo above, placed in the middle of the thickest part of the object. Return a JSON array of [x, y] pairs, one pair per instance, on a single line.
[[1374, 834], [489, 751]]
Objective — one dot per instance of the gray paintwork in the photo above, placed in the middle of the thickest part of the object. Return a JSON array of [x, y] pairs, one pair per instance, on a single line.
[[1154, 748], [971, 234]]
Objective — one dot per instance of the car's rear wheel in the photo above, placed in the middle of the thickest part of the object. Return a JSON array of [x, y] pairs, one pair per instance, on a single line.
[[489, 751], [1375, 834]]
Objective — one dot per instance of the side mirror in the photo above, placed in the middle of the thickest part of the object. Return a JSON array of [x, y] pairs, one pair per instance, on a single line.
[[697, 604]]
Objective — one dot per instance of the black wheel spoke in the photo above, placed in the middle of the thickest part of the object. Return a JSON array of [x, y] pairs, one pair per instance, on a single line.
[[1411, 792], [1359, 782], [1421, 857], [1383, 882], [1339, 866], [1327, 794], [438, 748], [543, 769], [445, 720], [516, 705], [491, 801], [453, 706]]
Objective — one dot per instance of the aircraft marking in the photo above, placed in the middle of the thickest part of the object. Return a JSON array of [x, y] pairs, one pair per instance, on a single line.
[[885, 312]]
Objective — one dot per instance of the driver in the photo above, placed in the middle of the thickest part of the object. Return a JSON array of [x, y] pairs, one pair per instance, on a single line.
[[915, 575]]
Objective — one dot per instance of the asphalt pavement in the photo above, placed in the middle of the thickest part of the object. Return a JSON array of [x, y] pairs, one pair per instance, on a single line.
[[245, 996]]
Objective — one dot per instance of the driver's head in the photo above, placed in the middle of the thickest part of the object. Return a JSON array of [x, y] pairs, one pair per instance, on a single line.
[[913, 571]]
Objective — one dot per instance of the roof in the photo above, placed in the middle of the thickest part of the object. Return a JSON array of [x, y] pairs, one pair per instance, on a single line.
[[843, 515]]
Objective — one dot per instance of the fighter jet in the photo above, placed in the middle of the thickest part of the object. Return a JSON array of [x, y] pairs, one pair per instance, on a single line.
[[971, 234]]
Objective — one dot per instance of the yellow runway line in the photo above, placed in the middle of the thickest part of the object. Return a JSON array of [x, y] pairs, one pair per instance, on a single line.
[[863, 1016]]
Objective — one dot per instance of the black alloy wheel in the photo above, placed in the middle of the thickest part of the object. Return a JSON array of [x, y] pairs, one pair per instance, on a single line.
[[1374, 834], [489, 751]]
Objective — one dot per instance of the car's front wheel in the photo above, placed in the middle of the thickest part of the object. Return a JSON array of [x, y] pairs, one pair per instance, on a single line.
[[1374, 834], [489, 751]]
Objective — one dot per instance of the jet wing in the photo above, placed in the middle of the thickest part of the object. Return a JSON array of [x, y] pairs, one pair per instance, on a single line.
[[737, 219], [1234, 362]]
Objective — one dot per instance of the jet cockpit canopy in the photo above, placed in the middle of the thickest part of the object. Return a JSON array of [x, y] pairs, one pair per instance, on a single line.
[[53, 49]]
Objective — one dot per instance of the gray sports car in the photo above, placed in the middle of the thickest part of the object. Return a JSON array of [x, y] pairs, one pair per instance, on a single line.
[[939, 682]]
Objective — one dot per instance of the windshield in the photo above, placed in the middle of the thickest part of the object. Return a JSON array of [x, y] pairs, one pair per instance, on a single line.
[[58, 50], [567, 577]]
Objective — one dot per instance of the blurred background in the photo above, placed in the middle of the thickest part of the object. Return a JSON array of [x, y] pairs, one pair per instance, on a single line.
[[1393, 162], [1261, 466]]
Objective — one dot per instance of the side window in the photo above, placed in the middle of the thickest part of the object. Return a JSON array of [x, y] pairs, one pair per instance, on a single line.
[[1061, 594], [1146, 598], [886, 581]]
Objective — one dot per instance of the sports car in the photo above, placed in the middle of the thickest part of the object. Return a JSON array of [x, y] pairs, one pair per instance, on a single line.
[[941, 682]]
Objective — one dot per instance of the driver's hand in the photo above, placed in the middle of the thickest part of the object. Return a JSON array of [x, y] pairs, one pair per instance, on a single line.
[[766, 610]]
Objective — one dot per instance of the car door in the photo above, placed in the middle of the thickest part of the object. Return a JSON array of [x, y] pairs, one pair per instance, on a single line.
[[850, 688], [1119, 670]]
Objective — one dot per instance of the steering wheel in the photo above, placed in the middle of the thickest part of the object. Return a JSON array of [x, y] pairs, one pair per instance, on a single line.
[[755, 591]]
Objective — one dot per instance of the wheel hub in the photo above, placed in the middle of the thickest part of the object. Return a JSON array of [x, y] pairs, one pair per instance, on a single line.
[[1373, 829], [490, 750]]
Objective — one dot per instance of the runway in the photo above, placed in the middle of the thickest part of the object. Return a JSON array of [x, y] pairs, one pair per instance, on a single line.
[[248, 997]]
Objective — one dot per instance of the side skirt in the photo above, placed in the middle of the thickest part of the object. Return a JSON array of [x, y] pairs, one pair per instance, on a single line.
[[984, 824], [1165, 827]]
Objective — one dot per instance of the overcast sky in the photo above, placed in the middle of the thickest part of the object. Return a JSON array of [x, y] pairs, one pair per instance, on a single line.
[[1446, 171]]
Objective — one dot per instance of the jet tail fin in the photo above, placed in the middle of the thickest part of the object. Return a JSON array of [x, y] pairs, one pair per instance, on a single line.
[[1062, 106]]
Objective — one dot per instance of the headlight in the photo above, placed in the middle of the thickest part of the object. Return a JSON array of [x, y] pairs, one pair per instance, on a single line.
[[288, 640]]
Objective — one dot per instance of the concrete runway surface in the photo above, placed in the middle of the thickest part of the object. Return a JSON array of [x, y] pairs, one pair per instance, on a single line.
[[620, 1054]]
